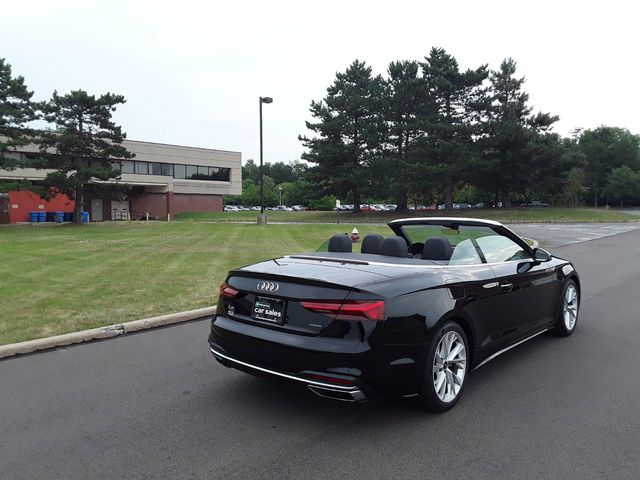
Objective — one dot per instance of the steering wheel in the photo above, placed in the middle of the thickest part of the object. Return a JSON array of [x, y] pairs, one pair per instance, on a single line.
[[415, 249]]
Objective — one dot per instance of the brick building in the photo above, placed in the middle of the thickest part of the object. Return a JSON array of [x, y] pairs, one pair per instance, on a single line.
[[161, 180]]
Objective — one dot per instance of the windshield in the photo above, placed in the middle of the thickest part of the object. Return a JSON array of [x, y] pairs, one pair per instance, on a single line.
[[469, 244], [455, 235]]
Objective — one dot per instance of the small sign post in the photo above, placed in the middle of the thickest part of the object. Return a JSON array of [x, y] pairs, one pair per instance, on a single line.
[[338, 210]]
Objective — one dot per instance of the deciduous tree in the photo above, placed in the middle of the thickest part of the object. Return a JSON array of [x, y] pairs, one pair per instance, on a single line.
[[623, 186], [605, 149]]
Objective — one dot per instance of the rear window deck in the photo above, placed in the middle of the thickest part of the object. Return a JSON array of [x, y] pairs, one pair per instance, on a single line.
[[365, 258]]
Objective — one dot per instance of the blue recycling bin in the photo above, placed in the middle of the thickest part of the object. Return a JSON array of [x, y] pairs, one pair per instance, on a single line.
[[68, 217], [33, 217], [85, 217], [42, 217], [59, 216], [50, 216]]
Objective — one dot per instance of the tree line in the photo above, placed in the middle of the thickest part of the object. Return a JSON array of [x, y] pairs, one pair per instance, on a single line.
[[426, 132], [81, 143], [430, 132]]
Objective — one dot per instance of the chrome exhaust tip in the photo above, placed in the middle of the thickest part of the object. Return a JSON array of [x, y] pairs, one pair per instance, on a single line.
[[354, 395]]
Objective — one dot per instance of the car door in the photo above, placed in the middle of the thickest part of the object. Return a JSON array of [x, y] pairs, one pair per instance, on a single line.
[[474, 281], [526, 288]]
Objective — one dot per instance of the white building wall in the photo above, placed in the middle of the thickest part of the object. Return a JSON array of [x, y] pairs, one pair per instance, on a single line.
[[164, 153]]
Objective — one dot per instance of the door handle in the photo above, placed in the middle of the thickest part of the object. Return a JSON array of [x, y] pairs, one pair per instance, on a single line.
[[506, 287]]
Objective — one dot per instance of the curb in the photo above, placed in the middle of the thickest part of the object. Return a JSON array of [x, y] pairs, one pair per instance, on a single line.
[[102, 332]]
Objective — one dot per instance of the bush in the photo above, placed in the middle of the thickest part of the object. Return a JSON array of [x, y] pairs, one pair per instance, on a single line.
[[328, 202]]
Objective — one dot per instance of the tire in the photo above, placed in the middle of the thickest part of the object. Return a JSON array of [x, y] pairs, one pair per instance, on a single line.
[[567, 319], [443, 381]]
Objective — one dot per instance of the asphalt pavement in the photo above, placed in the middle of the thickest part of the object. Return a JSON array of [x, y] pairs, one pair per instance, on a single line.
[[156, 405], [552, 235]]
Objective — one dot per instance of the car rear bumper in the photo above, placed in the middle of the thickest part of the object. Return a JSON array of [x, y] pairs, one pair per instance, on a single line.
[[328, 390], [350, 369]]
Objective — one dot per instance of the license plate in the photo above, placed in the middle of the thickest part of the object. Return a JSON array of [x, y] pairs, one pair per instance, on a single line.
[[268, 309]]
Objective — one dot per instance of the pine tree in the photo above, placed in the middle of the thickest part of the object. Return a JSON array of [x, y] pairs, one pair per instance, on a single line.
[[506, 165], [407, 104], [458, 98], [86, 144], [349, 132], [16, 111]]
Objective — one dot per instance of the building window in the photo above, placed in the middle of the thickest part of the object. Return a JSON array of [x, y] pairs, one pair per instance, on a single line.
[[142, 168], [155, 168], [220, 174], [167, 169], [192, 172], [179, 171], [126, 166], [203, 173]]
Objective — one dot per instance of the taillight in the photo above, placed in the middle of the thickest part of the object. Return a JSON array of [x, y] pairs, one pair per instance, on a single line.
[[348, 310], [227, 291]]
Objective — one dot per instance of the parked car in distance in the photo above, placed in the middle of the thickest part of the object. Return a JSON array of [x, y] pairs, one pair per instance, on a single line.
[[423, 207], [538, 203], [297, 208], [231, 208], [410, 316]]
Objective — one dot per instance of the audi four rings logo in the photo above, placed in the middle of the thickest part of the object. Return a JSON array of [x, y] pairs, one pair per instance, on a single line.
[[268, 287]]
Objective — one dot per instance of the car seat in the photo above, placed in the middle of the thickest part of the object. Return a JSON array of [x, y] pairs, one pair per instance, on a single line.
[[437, 248], [340, 243], [372, 243]]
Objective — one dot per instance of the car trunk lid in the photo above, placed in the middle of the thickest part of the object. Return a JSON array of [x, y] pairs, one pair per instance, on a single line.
[[270, 293]]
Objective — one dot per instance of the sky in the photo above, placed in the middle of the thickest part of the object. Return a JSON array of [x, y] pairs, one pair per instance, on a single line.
[[192, 71]]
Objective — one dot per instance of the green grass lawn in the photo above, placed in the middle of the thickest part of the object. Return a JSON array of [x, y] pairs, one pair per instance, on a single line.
[[62, 278], [516, 215]]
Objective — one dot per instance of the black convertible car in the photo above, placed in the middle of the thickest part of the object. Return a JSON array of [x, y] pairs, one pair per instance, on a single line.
[[410, 315]]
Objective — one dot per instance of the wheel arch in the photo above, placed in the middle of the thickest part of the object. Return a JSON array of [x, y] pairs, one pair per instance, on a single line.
[[465, 324], [576, 279]]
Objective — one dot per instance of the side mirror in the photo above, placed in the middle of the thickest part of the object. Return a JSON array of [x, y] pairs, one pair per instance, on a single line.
[[541, 255]]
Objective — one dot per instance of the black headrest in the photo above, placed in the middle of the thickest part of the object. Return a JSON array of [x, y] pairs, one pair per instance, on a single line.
[[372, 243], [340, 243], [394, 247], [437, 248]]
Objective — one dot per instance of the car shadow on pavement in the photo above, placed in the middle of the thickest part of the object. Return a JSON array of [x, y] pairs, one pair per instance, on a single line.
[[244, 392]]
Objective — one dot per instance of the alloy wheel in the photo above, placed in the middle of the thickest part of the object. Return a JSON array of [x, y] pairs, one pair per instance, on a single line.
[[570, 307], [449, 366]]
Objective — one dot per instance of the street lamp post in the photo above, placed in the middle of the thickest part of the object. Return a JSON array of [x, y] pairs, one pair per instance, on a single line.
[[280, 192], [262, 218]]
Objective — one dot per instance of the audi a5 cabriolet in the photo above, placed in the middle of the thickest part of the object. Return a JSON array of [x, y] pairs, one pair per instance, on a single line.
[[409, 315]]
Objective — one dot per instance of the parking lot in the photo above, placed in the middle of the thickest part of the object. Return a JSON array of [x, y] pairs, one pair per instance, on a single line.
[[156, 405]]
